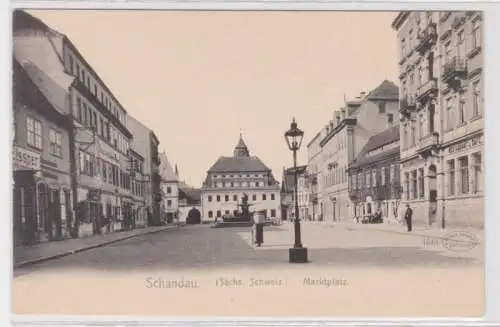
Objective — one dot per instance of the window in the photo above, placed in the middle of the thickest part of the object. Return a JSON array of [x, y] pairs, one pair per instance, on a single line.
[[464, 174], [421, 126], [390, 118], [264, 197], [407, 185], [477, 175], [387, 175], [55, 146], [34, 132], [461, 112], [218, 213], [272, 196], [414, 184], [169, 190], [460, 44], [169, 203], [381, 107], [374, 178], [226, 212], [235, 198], [210, 214], [421, 188], [476, 34], [226, 198], [476, 100], [218, 198], [273, 213], [447, 51], [410, 40], [209, 198], [254, 197], [449, 114], [367, 179], [413, 133], [405, 136], [451, 177]]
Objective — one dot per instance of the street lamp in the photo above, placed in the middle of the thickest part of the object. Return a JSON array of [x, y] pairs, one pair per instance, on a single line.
[[293, 137]]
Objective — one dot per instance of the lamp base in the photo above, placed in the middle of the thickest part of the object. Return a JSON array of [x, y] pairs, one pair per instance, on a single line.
[[298, 255]]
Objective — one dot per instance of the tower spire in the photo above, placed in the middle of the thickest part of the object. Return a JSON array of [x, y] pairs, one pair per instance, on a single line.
[[241, 149]]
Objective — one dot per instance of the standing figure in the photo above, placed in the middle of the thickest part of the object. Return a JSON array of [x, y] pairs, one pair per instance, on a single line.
[[409, 217], [259, 220]]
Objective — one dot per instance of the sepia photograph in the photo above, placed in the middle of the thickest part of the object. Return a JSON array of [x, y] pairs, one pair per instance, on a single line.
[[176, 163]]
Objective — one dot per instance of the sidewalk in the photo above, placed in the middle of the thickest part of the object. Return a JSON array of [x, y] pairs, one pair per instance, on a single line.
[[24, 256], [421, 231]]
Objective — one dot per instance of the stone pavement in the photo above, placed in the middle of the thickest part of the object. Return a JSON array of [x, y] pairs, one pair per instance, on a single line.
[[420, 231], [24, 256]]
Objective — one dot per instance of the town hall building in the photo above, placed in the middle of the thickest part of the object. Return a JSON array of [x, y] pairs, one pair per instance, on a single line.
[[230, 178]]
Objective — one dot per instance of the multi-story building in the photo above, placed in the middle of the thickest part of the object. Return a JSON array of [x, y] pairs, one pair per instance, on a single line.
[[138, 187], [288, 193], [315, 178], [374, 179], [101, 138], [343, 139], [146, 144], [170, 188], [441, 62], [230, 178], [42, 205]]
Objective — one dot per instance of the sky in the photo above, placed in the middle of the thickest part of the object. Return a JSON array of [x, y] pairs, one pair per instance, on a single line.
[[198, 78]]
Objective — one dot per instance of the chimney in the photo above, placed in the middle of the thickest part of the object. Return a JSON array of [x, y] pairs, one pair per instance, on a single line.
[[337, 117], [343, 111], [327, 129], [331, 124], [176, 171]]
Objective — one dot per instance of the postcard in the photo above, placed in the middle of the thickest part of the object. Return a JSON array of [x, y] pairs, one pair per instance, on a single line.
[[176, 163]]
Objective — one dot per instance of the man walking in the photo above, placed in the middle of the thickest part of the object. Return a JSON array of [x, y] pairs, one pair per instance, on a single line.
[[409, 217]]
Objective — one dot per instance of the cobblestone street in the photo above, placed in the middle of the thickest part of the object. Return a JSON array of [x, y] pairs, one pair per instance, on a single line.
[[201, 246]]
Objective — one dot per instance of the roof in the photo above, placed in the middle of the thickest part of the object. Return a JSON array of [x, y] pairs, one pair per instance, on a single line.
[[388, 136], [387, 90], [40, 58], [239, 164], [191, 194], [166, 170]]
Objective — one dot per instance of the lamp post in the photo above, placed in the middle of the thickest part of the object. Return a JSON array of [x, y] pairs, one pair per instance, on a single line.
[[293, 137]]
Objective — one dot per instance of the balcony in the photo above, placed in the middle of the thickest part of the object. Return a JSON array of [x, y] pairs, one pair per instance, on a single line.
[[453, 70], [429, 145], [426, 38], [407, 105], [24, 159], [427, 91]]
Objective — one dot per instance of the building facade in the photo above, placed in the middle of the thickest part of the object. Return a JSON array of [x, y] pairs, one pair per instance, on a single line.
[[288, 193], [230, 178], [101, 138], [138, 188], [374, 179], [343, 139], [170, 188], [441, 62], [146, 144], [42, 189], [315, 178]]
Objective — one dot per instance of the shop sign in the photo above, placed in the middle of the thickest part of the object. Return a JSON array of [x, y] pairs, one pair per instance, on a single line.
[[24, 159], [467, 144]]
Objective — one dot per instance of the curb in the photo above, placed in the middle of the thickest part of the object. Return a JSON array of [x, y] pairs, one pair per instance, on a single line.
[[90, 247], [414, 234]]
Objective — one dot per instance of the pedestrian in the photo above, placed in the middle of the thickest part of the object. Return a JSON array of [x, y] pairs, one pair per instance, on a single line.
[[409, 217], [259, 220]]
